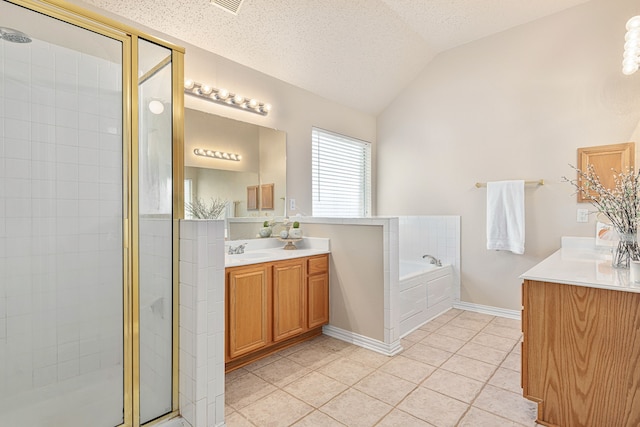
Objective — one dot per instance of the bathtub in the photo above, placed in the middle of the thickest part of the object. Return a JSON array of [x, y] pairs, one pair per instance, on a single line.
[[425, 292]]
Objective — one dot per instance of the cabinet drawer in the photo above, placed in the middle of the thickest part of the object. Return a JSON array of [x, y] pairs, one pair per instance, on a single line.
[[319, 264]]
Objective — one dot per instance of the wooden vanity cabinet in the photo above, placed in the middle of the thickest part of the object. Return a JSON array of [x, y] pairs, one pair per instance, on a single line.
[[318, 291], [248, 295], [270, 306], [289, 295], [581, 354]]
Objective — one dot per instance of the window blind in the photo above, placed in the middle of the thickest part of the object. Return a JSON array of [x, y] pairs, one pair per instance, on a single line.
[[341, 175]]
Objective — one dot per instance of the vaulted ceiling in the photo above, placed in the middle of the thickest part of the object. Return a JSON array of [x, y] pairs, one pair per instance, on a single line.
[[360, 53]]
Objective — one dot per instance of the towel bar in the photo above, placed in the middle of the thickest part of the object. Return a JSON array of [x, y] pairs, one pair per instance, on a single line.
[[538, 182]]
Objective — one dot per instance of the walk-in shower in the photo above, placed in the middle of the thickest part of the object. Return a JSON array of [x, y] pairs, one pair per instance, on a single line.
[[13, 36], [86, 221]]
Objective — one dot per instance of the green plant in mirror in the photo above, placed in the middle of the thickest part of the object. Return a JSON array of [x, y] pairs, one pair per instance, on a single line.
[[200, 209]]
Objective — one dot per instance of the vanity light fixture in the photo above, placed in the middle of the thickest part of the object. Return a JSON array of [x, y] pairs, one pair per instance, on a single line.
[[631, 60], [214, 154], [224, 97]]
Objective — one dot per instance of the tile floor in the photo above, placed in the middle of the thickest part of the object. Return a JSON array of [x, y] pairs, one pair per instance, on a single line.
[[460, 369]]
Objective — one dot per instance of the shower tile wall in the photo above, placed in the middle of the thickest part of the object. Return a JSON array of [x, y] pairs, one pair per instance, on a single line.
[[202, 322], [434, 235], [60, 215]]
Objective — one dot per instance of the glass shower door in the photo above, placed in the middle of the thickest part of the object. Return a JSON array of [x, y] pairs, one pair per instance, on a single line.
[[61, 223]]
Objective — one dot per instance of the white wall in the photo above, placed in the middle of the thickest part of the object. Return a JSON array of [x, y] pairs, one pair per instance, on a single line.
[[515, 105]]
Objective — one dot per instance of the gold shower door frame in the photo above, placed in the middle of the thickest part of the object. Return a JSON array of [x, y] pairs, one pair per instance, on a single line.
[[130, 144]]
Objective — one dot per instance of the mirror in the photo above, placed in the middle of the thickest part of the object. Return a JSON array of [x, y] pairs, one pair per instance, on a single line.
[[262, 165]]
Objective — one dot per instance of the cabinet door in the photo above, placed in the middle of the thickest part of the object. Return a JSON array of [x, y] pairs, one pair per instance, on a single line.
[[289, 298], [318, 300], [248, 309]]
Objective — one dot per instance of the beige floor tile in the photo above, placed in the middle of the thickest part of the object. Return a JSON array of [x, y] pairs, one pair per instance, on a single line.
[[426, 354], [472, 315], [234, 375], [450, 314], [346, 371], [334, 345], [251, 367], [518, 348], [513, 361], [507, 323], [408, 369], [356, 409], [433, 407], [277, 409], [472, 324], [281, 372], [245, 390], [314, 356], [234, 419], [453, 385], [457, 332], [430, 327], [368, 357], [494, 341], [397, 418], [483, 353], [298, 347], [506, 404], [406, 343], [506, 379], [471, 368], [318, 419], [417, 335], [315, 389], [478, 418], [502, 331], [385, 387], [443, 342]]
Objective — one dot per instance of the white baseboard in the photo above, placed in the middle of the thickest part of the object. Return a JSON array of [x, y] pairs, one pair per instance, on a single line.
[[362, 341], [487, 309]]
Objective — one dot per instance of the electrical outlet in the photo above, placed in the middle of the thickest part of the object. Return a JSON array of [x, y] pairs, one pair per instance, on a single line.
[[292, 204], [583, 215]]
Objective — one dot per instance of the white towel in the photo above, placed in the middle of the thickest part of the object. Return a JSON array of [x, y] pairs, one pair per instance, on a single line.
[[505, 216]]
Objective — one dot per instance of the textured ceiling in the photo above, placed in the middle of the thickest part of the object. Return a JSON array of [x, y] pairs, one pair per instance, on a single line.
[[360, 53]]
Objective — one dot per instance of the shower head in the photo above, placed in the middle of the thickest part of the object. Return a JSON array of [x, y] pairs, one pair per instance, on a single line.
[[13, 36]]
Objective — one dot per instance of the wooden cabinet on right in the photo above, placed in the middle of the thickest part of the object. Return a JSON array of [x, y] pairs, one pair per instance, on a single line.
[[581, 354]]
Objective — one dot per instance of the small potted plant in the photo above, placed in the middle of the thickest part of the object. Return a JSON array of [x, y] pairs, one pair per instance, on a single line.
[[265, 231], [295, 232]]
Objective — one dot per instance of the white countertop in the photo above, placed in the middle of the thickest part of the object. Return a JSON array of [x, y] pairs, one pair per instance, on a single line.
[[582, 266], [272, 249]]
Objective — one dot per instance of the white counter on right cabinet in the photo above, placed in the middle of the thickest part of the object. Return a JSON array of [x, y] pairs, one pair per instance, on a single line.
[[581, 345]]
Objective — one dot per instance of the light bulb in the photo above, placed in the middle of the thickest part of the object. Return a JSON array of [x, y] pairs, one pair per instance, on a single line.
[[238, 99], [209, 153], [156, 107], [267, 108], [238, 157], [223, 93], [206, 89], [253, 103], [233, 157], [632, 34], [188, 84], [225, 156], [218, 154], [633, 23]]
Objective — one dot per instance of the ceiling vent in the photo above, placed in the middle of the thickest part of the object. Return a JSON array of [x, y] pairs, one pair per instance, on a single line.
[[232, 6]]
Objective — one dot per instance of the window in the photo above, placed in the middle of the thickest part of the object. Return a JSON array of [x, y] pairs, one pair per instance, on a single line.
[[341, 175]]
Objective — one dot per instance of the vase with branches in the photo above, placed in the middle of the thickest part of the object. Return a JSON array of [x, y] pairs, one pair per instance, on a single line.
[[620, 205], [200, 209]]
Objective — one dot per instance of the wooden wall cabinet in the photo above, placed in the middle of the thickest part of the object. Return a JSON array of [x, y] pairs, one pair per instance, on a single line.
[[270, 306], [581, 354]]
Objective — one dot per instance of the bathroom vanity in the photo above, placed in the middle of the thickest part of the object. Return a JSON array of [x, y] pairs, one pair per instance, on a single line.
[[274, 299], [581, 346]]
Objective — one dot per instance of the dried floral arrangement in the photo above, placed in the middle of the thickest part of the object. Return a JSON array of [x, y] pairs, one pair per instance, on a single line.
[[202, 210], [620, 204]]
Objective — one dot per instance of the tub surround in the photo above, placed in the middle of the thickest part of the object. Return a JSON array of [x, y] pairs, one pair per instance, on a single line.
[[580, 332]]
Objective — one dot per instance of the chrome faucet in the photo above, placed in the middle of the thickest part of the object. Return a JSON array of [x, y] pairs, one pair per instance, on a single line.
[[237, 250], [433, 260]]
